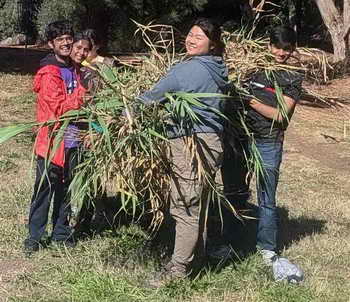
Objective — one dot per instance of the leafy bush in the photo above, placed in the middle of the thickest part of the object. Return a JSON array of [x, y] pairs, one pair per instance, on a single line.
[[18, 17], [53, 10], [113, 19], [9, 24]]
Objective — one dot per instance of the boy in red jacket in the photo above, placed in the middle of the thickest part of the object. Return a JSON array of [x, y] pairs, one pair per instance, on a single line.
[[58, 90]]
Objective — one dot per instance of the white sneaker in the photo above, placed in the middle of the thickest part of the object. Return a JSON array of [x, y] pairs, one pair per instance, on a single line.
[[283, 269], [268, 256]]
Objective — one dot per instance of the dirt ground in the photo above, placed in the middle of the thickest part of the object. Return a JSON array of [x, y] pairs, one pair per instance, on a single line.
[[318, 133], [313, 135], [321, 132]]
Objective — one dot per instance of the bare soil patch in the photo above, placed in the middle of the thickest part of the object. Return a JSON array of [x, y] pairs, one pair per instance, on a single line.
[[318, 133], [10, 269], [321, 132]]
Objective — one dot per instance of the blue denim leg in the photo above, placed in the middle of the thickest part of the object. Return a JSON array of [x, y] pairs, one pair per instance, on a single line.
[[271, 154]]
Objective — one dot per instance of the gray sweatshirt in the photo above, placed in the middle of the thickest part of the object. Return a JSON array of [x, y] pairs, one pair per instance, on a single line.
[[200, 74]]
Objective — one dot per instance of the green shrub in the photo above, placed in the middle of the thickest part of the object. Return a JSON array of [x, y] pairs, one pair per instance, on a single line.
[[114, 18], [53, 10], [9, 24], [111, 18]]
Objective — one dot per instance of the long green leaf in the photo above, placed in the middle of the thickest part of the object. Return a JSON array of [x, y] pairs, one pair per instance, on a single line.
[[7, 133]]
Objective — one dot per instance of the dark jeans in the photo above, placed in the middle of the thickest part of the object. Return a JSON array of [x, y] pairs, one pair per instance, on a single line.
[[271, 154], [236, 187], [52, 182]]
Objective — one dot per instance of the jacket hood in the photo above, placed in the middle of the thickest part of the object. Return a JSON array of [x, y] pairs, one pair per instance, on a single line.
[[50, 59], [49, 64], [217, 69]]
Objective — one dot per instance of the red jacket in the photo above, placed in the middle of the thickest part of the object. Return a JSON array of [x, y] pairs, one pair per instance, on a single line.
[[52, 102]]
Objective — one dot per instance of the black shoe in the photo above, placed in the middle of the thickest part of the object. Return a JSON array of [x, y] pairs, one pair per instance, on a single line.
[[221, 252], [30, 246], [82, 232]]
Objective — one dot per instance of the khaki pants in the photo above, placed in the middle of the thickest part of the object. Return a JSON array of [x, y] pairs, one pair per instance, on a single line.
[[189, 195]]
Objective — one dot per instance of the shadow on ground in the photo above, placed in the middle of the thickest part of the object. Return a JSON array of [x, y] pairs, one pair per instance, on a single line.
[[290, 230], [160, 244], [21, 61]]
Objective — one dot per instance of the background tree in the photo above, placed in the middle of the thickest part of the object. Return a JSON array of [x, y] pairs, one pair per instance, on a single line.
[[9, 24], [336, 17], [113, 18], [57, 10]]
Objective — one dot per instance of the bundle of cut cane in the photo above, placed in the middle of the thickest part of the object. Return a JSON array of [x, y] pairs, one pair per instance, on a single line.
[[245, 56]]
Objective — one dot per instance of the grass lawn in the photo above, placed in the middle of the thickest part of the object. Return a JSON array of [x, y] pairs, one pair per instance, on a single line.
[[313, 196]]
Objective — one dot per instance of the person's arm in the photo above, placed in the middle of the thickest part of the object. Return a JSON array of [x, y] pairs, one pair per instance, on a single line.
[[169, 83], [262, 89], [53, 94], [272, 112]]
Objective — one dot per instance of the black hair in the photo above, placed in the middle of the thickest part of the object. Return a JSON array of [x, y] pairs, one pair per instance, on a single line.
[[57, 29], [82, 36], [92, 34], [213, 31], [283, 37]]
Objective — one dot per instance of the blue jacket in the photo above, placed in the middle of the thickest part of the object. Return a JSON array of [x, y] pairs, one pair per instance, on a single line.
[[200, 74]]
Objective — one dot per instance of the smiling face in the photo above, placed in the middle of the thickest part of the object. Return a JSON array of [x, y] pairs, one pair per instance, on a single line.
[[280, 55], [62, 47], [197, 43], [80, 51]]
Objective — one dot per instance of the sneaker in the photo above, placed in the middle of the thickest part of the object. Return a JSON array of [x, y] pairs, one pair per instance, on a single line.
[[283, 269], [221, 252], [30, 246], [268, 256], [168, 274]]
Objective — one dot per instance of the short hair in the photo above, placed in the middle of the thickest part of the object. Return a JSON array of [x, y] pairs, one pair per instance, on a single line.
[[213, 31], [81, 36], [283, 37], [57, 29], [92, 34]]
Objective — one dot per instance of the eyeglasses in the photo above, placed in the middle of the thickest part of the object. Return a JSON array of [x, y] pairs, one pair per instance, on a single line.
[[66, 39]]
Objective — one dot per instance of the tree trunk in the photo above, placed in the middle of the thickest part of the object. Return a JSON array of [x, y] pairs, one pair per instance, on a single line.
[[332, 19], [298, 16], [346, 21]]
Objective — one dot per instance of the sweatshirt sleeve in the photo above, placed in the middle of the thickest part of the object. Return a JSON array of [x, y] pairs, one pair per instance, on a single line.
[[169, 83], [53, 96], [294, 90]]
